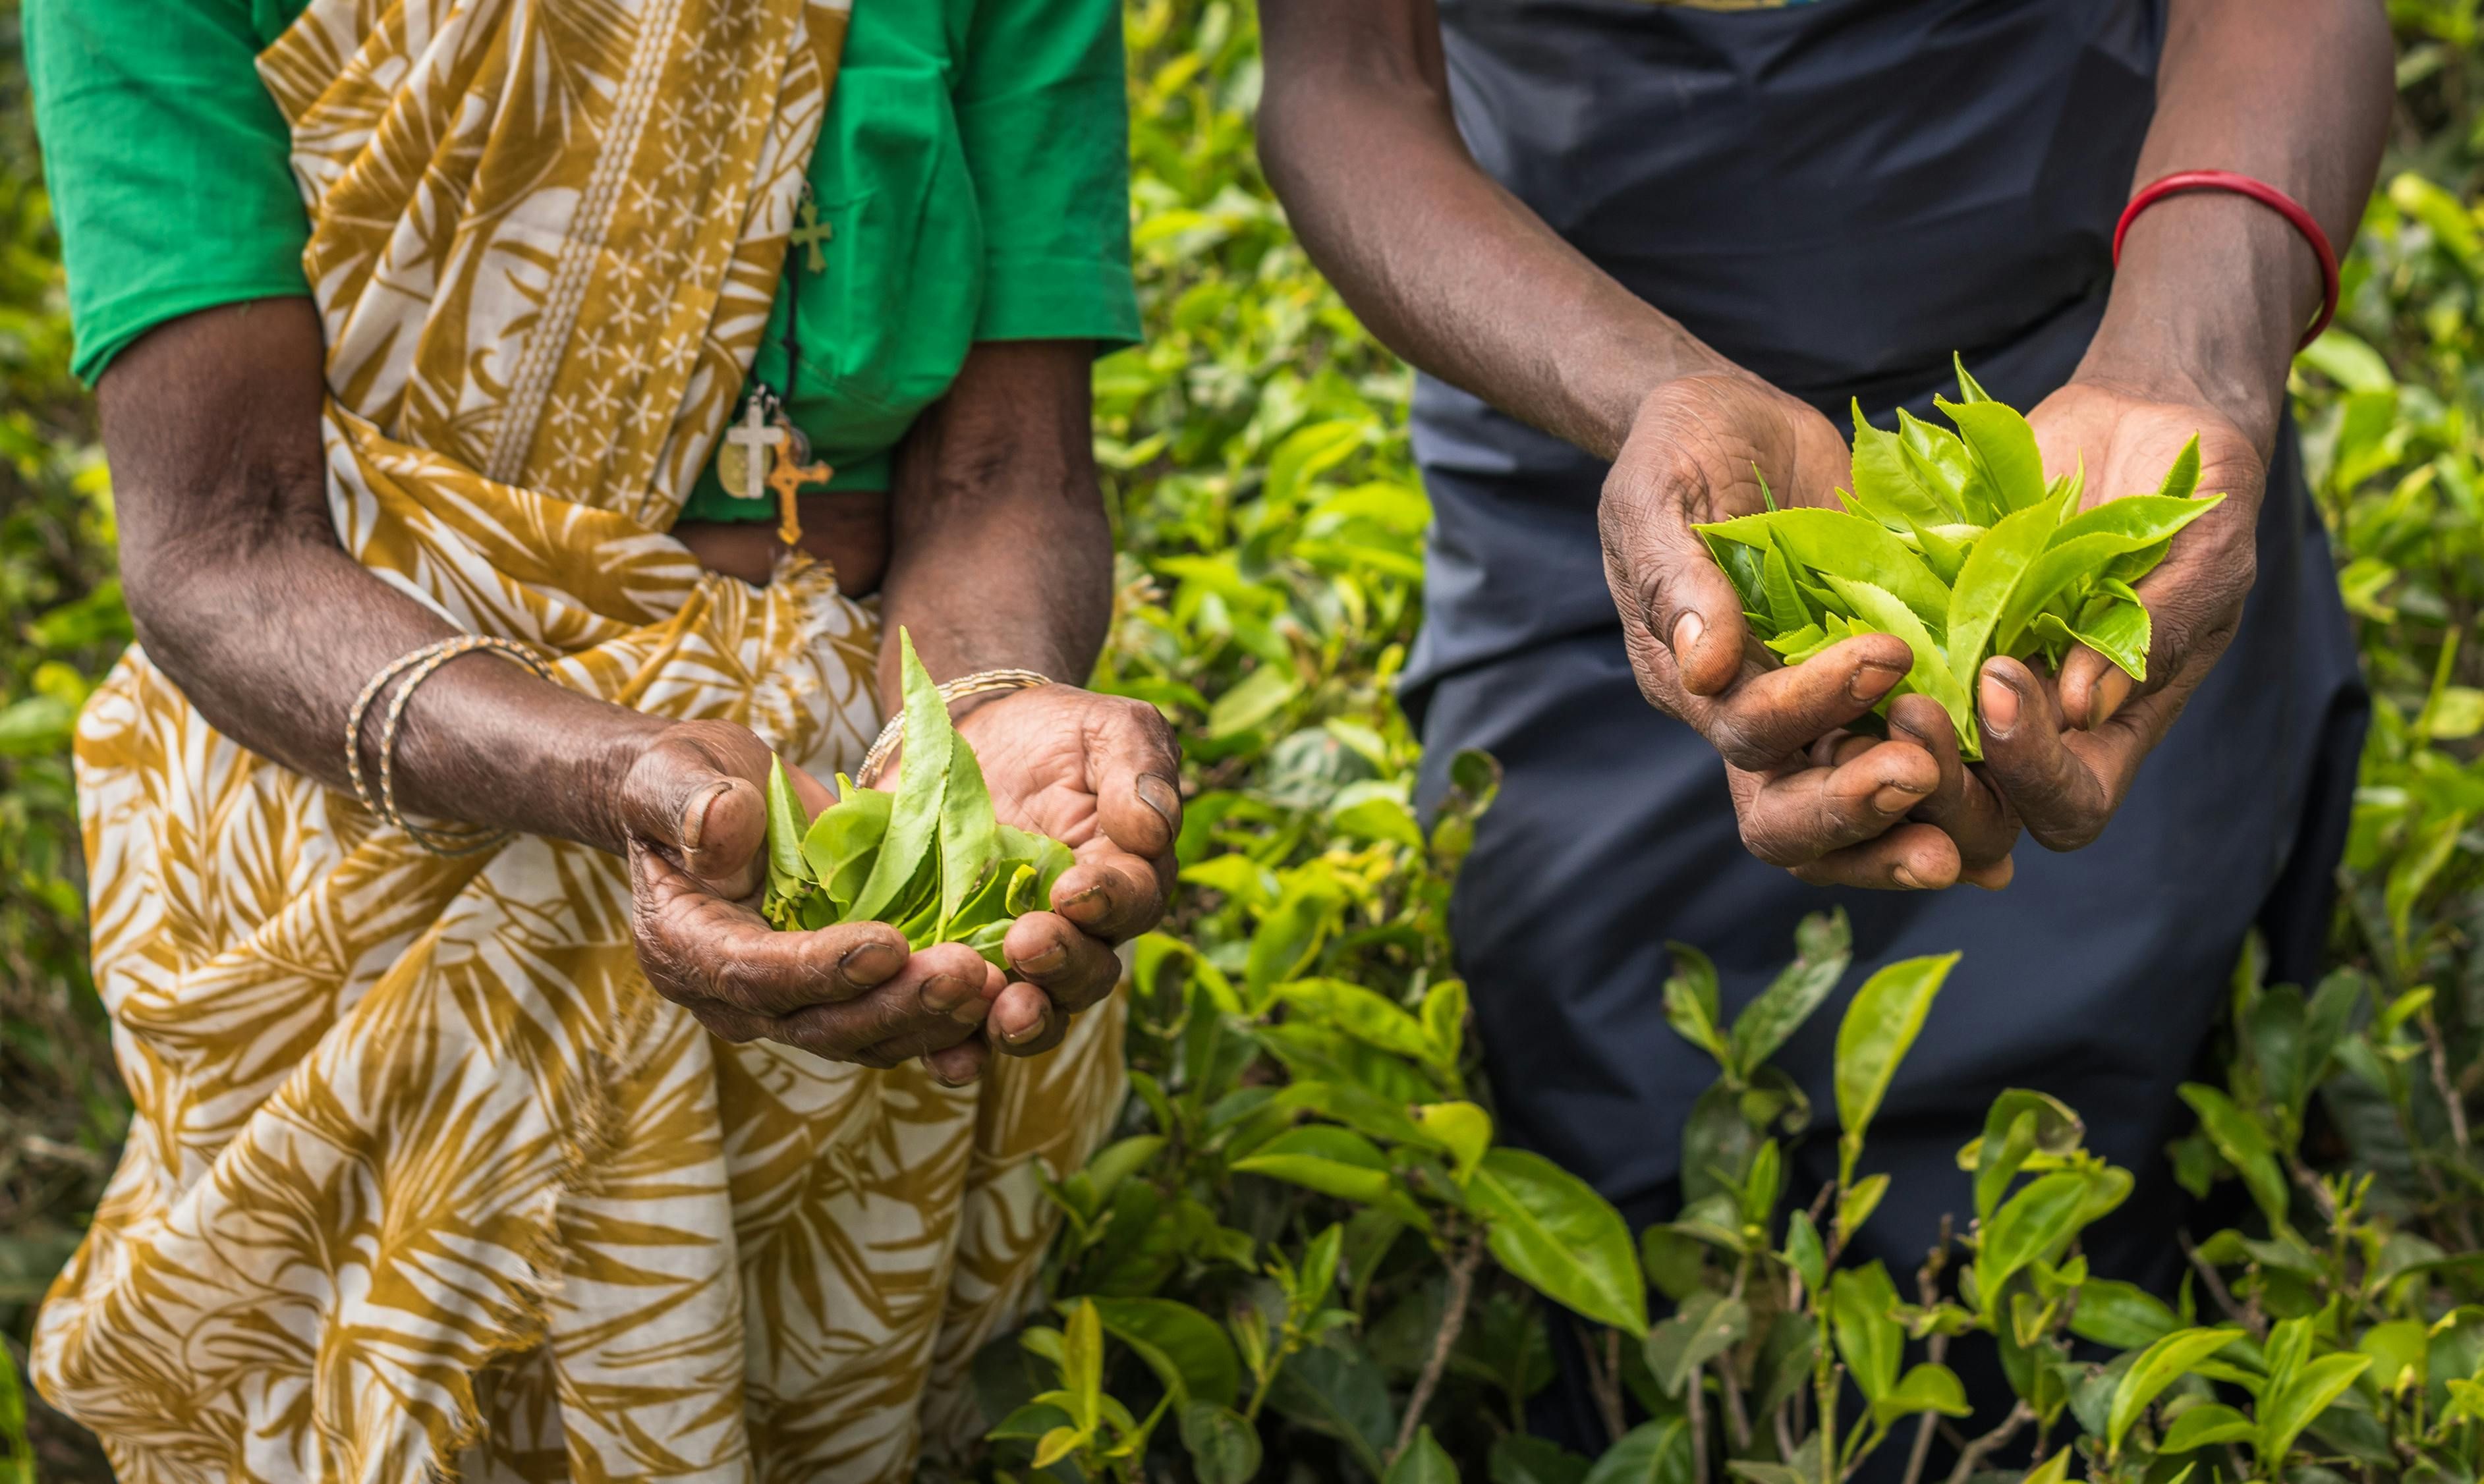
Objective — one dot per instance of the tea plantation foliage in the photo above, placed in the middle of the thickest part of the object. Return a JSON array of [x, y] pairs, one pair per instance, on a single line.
[[1306, 1256]]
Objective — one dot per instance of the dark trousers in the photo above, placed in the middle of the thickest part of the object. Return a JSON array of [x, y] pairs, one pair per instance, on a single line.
[[2096, 976]]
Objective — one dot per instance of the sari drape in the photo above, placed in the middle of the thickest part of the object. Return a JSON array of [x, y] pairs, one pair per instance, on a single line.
[[423, 1179]]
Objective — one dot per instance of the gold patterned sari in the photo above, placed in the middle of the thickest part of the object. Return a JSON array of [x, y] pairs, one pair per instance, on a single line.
[[424, 1181]]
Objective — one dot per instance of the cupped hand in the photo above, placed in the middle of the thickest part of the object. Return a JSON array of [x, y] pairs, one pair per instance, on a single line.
[[692, 812], [2063, 750], [1100, 774], [1834, 807]]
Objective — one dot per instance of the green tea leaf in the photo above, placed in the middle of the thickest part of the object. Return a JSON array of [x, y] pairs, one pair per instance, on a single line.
[[2244, 1146], [844, 840], [1223, 1448], [1885, 487], [1706, 1326], [922, 780], [1931, 675], [1551, 1230], [1871, 1342], [2183, 478], [2034, 1225], [2300, 1401], [1879, 1026], [1333, 1161], [1785, 606], [2120, 631], [1425, 1462], [2003, 450], [1988, 579], [1655, 1452], [1523, 1458], [1925, 1388], [2206, 1426], [786, 826], [1937, 460], [970, 842], [2155, 1370], [1968, 389], [1187, 1350], [1788, 1001], [1833, 541], [2123, 1315]]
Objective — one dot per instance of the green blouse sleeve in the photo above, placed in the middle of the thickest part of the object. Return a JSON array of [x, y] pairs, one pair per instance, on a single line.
[[1044, 121], [167, 163]]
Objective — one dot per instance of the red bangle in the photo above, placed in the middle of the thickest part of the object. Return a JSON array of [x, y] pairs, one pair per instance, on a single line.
[[2266, 195]]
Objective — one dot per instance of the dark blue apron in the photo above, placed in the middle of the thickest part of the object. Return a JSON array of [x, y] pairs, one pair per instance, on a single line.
[[1837, 196]]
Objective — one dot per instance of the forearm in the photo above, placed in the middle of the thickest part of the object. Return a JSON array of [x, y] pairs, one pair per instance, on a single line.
[[1447, 268], [2215, 288], [1001, 555], [241, 595]]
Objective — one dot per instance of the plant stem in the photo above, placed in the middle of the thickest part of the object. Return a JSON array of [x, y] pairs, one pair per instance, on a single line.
[[1928, 1292], [1976, 1451], [1605, 1376], [1738, 1421], [2217, 1288], [1695, 1399], [1453, 1318], [2450, 1101]]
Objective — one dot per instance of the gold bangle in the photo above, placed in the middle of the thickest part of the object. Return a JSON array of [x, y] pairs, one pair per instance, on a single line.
[[418, 666], [980, 683]]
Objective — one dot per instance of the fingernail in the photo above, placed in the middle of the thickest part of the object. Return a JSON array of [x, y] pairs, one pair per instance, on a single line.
[[945, 992], [1045, 963], [973, 1011], [1024, 1034], [1895, 797], [694, 817], [1686, 632], [1871, 680], [1161, 796], [1079, 898], [931, 1069], [1999, 701], [1906, 879], [2111, 688], [870, 963]]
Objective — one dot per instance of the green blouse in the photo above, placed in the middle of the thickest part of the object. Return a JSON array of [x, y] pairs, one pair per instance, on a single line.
[[972, 169]]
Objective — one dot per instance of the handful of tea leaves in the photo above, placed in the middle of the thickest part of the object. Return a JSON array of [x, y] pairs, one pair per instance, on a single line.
[[931, 858], [1954, 543]]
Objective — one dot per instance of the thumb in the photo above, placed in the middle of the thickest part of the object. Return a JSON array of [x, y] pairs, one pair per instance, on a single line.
[[1134, 766], [1661, 574], [706, 812]]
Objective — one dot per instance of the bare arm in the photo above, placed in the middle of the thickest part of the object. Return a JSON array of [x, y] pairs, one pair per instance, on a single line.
[[236, 585], [242, 595], [1449, 269], [1459, 277], [1002, 558], [2213, 291]]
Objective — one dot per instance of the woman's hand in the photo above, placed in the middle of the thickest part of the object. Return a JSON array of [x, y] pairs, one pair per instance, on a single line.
[[1833, 808], [692, 810], [1099, 773], [2065, 752]]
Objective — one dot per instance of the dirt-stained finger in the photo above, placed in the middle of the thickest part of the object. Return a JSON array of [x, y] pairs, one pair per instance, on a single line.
[[1110, 894], [1797, 816], [1910, 857], [1775, 715], [1963, 805], [1073, 968]]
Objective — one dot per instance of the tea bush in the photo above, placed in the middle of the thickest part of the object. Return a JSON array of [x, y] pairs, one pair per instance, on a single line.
[[1306, 1256]]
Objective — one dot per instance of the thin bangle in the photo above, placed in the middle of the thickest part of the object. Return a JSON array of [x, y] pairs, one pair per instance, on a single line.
[[418, 667], [980, 683], [2266, 195]]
